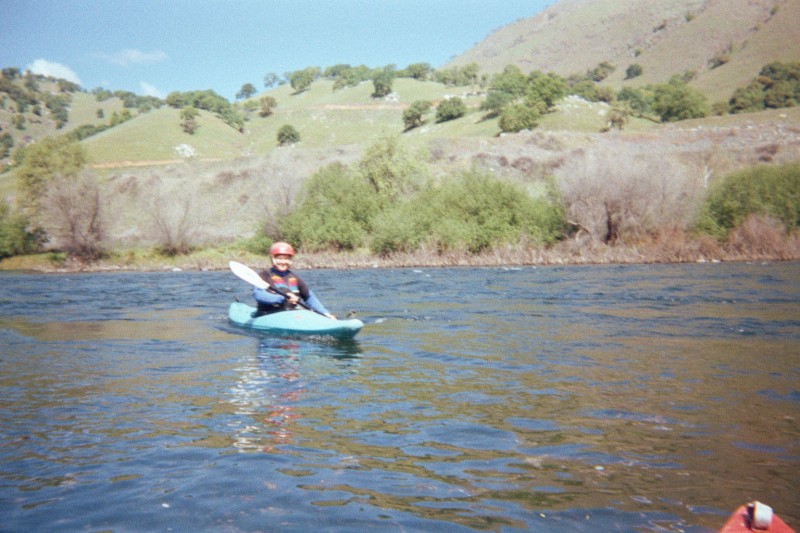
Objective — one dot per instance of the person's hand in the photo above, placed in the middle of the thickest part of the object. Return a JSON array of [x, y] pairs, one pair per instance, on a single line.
[[332, 317], [292, 298]]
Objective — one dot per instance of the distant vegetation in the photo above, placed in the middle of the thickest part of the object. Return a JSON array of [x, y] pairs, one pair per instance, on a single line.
[[515, 99], [388, 202], [16, 235], [207, 100], [520, 100], [777, 86], [771, 192], [288, 135]]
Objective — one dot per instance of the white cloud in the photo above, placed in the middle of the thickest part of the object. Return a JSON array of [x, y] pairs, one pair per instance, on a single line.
[[131, 56], [150, 90], [53, 69]]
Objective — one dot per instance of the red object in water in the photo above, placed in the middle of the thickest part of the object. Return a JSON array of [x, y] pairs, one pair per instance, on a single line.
[[755, 517]]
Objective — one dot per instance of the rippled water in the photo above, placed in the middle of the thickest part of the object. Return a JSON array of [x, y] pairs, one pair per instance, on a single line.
[[621, 398]]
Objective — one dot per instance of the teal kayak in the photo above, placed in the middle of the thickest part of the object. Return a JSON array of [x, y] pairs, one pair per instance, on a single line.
[[296, 322]]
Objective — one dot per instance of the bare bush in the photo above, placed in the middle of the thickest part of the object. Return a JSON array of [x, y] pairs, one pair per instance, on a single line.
[[761, 236], [675, 245], [277, 202], [74, 219], [173, 223], [767, 152], [616, 194]]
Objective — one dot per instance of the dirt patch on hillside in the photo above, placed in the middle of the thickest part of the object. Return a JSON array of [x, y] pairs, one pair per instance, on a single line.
[[357, 107], [145, 163]]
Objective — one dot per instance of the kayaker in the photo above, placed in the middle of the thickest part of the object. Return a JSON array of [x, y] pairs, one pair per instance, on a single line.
[[286, 281]]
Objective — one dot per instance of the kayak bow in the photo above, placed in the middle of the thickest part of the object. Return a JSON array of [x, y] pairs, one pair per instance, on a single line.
[[755, 517]]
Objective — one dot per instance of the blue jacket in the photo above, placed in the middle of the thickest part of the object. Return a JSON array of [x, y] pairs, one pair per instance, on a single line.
[[270, 302]]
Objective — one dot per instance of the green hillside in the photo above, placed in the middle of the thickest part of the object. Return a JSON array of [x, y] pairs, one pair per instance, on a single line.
[[322, 116], [154, 136]]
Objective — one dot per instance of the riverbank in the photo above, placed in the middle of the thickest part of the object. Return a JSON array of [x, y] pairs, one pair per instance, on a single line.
[[669, 247]]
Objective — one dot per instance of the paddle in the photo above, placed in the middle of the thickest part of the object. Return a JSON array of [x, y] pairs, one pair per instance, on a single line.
[[249, 275]]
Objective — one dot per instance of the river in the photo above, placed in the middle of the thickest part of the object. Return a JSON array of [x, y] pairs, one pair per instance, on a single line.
[[581, 398]]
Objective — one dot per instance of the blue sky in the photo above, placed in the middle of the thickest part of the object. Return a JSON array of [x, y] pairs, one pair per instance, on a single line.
[[159, 46]]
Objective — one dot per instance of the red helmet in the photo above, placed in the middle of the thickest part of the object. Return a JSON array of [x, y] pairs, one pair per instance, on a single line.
[[281, 248]]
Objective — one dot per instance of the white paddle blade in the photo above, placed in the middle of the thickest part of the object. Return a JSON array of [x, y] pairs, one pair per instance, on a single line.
[[247, 274]]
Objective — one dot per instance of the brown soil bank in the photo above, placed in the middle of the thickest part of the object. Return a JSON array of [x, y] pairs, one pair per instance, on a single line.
[[756, 240]]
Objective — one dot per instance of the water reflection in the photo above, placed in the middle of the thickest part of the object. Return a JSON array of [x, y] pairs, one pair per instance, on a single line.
[[271, 384]]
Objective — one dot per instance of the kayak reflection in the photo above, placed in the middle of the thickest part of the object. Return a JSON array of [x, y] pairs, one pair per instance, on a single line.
[[272, 384], [269, 387]]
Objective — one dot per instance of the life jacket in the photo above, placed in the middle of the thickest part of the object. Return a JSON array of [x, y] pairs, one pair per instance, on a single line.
[[287, 282]]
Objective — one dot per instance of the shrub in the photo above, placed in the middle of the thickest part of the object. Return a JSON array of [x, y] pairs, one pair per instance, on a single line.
[[450, 109], [586, 89], [762, 235], [614, 194], [763, 190], [618, 117], [495, 101], [390, 169], [634, 70], [335, 211], [639, 100], [518, 117], [719, 59], [544, 89], [337, 205], [42, 162], [189, 116], [15, 237], [474, 211], [268, 104], [173, 223], [382, 81], [777, 86], [288, 135], [747, 99], [6, 144], [600, 72], [677, 101], [413, 117], [75, 218]]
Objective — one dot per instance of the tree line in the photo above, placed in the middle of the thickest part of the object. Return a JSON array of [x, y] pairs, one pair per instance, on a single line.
[[517, 100]]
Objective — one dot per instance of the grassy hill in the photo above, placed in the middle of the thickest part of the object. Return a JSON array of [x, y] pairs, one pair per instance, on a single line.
[[83, 109], [323, 118], [665, 38], [568, 37]]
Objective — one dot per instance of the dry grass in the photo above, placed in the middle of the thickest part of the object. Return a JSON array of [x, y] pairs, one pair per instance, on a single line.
[[661, 174], [573, 37], [763, 237], [755, 241]]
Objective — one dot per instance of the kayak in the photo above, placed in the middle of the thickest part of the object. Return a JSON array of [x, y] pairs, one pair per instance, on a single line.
[[294, 322], [755, 517]]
